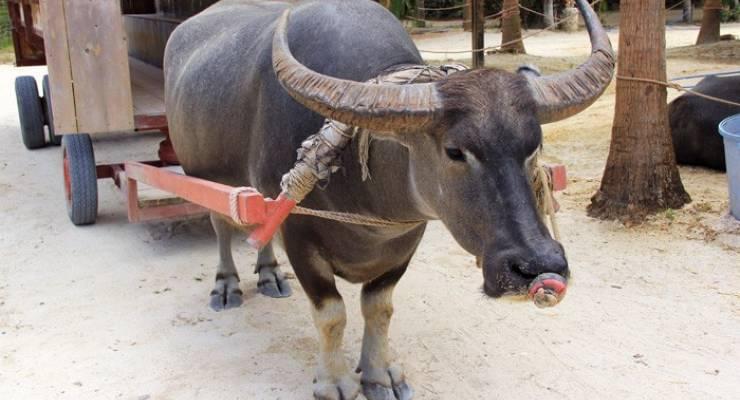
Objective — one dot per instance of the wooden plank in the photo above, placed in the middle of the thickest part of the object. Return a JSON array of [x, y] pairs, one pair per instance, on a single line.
[[38, 23], [138, 6], [99, 57], [146, 104], [182, 9], [149, 78], [147, 85], [60, 69], [147, 36]]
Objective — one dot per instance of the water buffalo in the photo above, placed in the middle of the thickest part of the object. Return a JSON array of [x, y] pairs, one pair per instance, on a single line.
[[247, 81], [694, 121]]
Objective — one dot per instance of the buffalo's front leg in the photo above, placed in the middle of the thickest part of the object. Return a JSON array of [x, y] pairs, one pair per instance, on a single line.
[[381, 380], [272, 281], [226, 294], [334, 380]]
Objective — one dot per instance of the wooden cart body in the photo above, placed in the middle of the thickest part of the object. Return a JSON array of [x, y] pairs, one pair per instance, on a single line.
[[96, 86]]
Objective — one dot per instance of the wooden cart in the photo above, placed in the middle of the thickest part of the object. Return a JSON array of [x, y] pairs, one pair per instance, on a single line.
[[104, 59], [94, 86]]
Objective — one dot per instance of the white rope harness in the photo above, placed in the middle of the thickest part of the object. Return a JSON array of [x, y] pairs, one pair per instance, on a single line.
[[234, 203], [318, 158], [318, 155]]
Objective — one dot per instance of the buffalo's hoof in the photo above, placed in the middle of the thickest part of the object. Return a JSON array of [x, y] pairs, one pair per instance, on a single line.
[[272, 282], [392, 388], [226, 294], [344, 388]]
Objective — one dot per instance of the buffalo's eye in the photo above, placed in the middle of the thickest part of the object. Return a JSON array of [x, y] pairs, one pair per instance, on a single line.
[[455, 154]]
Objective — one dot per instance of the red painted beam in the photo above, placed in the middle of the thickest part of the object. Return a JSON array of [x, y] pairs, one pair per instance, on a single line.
[[265, 215], [252, 206], [559, 176]]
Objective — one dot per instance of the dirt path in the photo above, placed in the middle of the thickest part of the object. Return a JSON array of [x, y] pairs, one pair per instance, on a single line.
[[548, 43], [119, 311]]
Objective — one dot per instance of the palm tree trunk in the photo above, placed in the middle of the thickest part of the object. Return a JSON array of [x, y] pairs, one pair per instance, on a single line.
[[549, 17], [688, 12], [641, 176], [511, 28], [467, 17], [709, 32]]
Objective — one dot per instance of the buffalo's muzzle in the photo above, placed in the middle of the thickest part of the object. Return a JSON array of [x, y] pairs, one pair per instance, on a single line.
[[509, 271]]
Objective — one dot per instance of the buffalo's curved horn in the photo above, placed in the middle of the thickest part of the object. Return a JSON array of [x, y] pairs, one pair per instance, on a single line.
[[381, 107], [562, 95]]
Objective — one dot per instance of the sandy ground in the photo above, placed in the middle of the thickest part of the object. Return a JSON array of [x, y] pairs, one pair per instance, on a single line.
[[544, 43], [119, 311]]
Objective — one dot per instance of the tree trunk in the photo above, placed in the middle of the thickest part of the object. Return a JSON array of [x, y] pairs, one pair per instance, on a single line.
[[709, 32], [421, 15], [511, 28], [478, 21], [467, 17], [641, 176], [549, 17], [569, 17], [688, 12]]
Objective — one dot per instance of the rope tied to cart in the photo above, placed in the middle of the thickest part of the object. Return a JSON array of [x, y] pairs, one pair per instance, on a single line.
[[678, 87], [318, 157]]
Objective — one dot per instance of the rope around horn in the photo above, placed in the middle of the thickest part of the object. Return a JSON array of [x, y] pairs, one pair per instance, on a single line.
[[318, 158]]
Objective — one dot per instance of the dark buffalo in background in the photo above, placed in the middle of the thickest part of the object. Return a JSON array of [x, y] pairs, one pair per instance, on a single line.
[[694, 122]]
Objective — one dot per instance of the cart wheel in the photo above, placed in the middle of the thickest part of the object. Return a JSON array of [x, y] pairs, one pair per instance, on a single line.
[[30, 112], [53, 139], [80, 179]]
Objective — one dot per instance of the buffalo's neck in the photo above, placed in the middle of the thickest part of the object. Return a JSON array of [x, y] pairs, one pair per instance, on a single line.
[[388, 193]]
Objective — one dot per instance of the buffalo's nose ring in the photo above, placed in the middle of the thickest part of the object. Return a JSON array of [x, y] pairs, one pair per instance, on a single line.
[[548, 289]]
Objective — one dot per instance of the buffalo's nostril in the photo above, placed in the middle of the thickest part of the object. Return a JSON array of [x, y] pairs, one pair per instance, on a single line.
[[545, 257], [525, 268], [540, 264], [553, 262], [511, 270]]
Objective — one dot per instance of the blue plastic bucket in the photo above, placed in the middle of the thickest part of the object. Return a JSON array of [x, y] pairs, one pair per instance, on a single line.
[[730, 130]]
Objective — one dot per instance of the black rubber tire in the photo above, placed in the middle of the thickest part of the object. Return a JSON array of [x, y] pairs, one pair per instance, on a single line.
[[80, 178], [30, 112], [49, 114]]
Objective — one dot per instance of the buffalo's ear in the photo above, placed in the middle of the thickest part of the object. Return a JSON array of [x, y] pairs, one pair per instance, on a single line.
[[529, 69]]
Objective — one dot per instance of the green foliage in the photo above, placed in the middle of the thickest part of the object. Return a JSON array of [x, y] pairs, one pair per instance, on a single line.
[[5, 33], [401, 8], [729, 15]]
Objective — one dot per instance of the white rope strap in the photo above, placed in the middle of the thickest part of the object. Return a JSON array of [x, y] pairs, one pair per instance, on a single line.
[[548, 206], [351, 218], [234, 203], [317, 160], [541, 182]]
